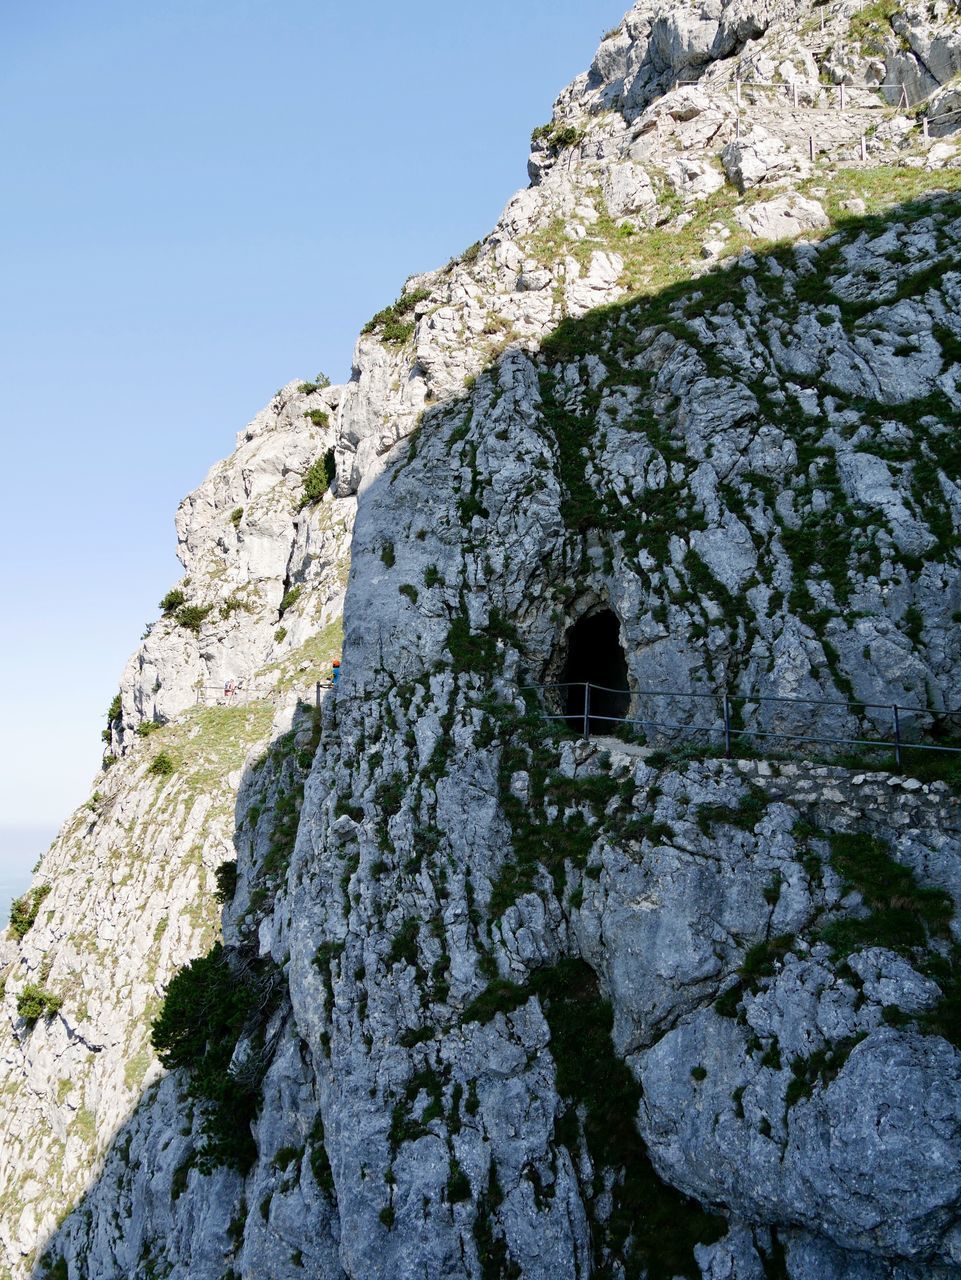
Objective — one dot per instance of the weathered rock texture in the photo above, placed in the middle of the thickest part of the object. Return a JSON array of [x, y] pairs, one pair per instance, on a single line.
[[515, 1004]]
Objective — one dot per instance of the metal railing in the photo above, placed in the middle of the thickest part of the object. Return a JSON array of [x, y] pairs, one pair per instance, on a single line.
[[728, 724], [797, 91], [242, 694]]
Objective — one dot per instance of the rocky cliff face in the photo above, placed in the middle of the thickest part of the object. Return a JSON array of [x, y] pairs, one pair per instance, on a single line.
[[494, 1000]]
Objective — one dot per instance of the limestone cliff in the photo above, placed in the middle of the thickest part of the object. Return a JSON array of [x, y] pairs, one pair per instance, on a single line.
[[496, 1000]]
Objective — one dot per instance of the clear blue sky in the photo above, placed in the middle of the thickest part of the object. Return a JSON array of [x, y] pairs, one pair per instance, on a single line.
[[203, 199]]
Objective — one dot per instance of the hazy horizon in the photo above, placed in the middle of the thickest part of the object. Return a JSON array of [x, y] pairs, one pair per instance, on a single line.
[[20, 849]]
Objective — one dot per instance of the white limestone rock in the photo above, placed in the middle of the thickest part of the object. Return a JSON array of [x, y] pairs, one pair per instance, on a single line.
[[783, 218]]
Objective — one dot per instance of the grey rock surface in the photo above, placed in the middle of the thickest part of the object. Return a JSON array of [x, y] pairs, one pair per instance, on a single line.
[[532, 1005]]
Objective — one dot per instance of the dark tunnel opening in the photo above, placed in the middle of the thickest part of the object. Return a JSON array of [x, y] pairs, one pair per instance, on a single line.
[[595, 656]]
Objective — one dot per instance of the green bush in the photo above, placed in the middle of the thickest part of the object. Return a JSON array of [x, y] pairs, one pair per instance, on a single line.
[[319, 384], [226, 877], [23, 911], [391, 321], [319, 478], [34, 1002], [192, 616], [232, 604], [290, 599], [319, 417], [280, 635], [903, 915], [147, 727], [236, 515], [458, 1184], [113, 711], [207, 1007], [161, 766], [172, 601], [557, 136]]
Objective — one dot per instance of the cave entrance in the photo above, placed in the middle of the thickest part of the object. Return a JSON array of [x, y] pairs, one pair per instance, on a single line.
[[595, 656]]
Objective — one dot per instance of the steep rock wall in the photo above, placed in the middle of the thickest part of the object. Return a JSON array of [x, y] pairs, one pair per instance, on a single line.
[[489, 948]]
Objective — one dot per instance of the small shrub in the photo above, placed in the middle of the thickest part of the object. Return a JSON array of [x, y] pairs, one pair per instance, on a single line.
[[280, 635], [113, 711], [232, 604], [147, 727], [320, 383], [903, 914], [290, 599], [471, 254], [557, 136], [23, 911], [319, 417], [318, 479], [172, 601], [458, 1184], [914, 624], [226, 877], [34, 1002], [161, 766], [409, 591], [178, 1183], [207, 1007], [388, 555], [388, 1216], [403, 948], [699, 1073], [391, 322], [236, 515], [192, 616]]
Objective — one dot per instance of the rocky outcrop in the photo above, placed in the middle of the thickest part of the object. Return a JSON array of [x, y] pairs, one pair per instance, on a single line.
[[495, 1000], [132, 887], [264, 546]]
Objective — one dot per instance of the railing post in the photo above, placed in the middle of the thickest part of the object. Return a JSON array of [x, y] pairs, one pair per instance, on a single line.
[[317, 693], [727, 725], [842, 95], [897, 735], [864, 148], [811, 146], [924, 127], [737, 92], [587, 710]]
